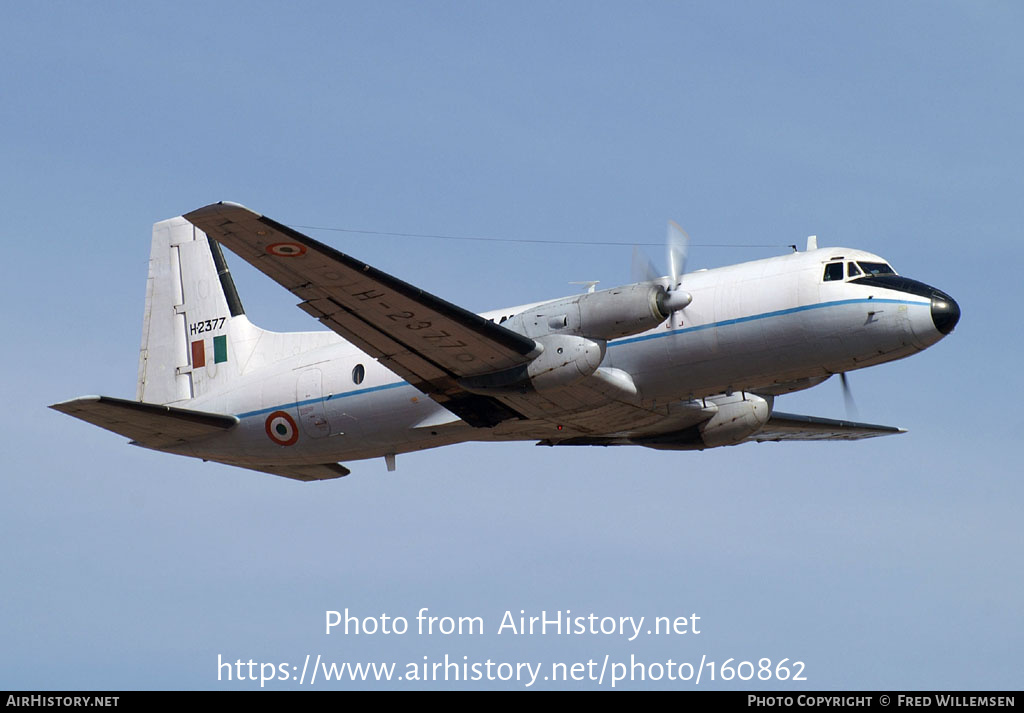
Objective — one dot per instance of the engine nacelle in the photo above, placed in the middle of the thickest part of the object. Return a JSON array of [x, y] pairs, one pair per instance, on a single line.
[[622, 311], [565, 360], [733, 418], [738, 416], [608, 314], [574, 333]]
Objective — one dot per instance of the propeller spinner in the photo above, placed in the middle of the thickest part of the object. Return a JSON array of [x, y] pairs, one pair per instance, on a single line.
[[673, 299]]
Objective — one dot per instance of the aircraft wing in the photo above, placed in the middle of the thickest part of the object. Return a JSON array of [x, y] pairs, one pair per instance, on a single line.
[[427, 341], [780, 427], [149, 425], [793, 427]]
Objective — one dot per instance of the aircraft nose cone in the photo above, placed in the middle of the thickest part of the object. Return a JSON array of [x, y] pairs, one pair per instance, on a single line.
[[945, 312]]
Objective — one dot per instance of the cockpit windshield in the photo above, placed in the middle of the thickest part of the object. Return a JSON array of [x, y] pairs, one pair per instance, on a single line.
[[876, 268], [854, 270]]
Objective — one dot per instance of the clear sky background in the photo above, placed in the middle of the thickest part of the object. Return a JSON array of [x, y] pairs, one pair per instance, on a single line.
[[892, 127]]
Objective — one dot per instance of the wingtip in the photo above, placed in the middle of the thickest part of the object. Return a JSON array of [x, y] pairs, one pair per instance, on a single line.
[[65, 406], [225, 208]]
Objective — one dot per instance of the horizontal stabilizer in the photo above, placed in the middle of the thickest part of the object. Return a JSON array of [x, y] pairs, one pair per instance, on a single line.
[[149, 425], [317, 471], [793, 427]]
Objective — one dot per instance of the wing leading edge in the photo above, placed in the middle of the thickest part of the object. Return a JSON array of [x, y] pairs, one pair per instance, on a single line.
[[429, 342], [794, 427]]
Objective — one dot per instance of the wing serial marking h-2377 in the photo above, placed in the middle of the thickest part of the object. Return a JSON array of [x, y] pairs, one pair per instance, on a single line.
[[677, 363]]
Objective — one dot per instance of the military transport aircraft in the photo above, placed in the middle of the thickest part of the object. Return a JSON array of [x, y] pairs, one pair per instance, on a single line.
[[682, 362]]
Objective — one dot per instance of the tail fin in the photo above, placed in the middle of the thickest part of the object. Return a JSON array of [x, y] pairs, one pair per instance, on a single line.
[[195, 335], [194, 330]]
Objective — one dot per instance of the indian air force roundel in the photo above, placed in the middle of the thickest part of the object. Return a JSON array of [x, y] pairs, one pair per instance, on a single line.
[[286, 249], [281, 429]]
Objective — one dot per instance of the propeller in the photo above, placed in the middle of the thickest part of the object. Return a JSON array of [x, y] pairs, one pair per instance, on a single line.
[[642, 269], [677, 244], [851, 405]]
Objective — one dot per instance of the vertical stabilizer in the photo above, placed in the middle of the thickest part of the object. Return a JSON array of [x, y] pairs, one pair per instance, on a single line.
[[195, 336], [194, 331]]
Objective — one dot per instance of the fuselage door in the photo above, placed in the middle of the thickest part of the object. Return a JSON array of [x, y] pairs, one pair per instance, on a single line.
[[309, 393]]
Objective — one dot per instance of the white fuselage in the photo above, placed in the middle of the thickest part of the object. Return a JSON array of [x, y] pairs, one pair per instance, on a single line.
[[768, 326]]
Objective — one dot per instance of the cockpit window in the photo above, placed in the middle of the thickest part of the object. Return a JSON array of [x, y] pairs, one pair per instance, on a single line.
[[852, 270], [876, 268], [833, 271]]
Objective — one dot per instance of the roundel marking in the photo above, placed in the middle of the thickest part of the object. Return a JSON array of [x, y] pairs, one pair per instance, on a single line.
[[281, 429], [286, 249]]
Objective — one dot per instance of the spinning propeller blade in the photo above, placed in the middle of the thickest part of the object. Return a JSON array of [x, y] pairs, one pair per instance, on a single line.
[[677, 245], [851, 405]]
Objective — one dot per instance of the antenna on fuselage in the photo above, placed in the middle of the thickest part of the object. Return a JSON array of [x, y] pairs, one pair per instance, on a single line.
[[812, 242], [590, 284]]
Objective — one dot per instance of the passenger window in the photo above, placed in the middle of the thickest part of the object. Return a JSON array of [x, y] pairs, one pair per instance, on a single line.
[[853, 270], [833, 271], [358, 372]]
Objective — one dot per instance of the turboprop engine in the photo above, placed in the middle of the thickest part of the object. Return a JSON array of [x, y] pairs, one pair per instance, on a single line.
[[573, 334], [564, 360], [608, 314], [736, 417]]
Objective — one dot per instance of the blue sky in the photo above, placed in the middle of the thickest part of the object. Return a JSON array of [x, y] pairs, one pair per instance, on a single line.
[[893, 127]]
